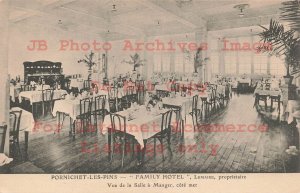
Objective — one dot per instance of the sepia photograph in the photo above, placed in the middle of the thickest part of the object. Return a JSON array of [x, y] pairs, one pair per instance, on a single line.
[[157, 89]]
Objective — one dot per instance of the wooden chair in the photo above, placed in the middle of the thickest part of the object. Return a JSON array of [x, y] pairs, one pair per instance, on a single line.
[[15, 118], [26, 87], [86, 85], [210, 103], [198, 112], [85, 114], [99, 108], [162, 93], [263, 98], [113, 98], [118, 131], [276, 99], [131, 95], [195, 118], [47, 102], [165, 132], [3, 130], [140, 85]]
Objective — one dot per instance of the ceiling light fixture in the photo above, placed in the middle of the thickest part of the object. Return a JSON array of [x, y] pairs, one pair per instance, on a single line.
[[114, 9], [241, 8], [181, 3]]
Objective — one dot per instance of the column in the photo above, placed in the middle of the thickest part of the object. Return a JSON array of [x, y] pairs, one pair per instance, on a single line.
[[221, 56], [4, 78], [201, 37]]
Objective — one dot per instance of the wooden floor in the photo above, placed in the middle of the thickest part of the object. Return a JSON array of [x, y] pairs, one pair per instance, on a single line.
[[234, 151]]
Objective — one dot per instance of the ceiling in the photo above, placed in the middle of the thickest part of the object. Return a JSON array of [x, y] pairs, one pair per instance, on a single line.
[[140, 18]]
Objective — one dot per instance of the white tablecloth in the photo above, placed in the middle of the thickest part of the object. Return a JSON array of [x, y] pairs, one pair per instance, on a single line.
[[244, 80], [164, 87], [143, 127], [292, 106], [71, 107], [268, 92], [77, 83], [37, 96], [42, 87], [185, 103], [14, 92], [27, 122]]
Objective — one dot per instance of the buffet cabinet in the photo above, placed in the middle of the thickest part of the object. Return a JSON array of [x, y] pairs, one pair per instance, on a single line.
[[49, 72]]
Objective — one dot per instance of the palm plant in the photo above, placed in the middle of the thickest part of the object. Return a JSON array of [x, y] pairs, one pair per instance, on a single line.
[[88, 60], [283, 43], [136, 61], [198, 61]]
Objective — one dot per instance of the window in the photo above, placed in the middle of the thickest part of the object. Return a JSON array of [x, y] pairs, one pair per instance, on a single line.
[[277, 66], [260, 62], [188, 63], [214, 61], [179, 65], [230, 62], [245, 62], [157, 62], [166, 65]]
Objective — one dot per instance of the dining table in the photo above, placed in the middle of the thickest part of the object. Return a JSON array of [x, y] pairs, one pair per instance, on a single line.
[[292, 107], [14, 92], [77, 83], [71, 107], [182, 105], [37, 95], [141, 123]]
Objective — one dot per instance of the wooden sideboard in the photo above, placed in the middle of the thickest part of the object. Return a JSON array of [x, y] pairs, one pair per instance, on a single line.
[[47, 70]]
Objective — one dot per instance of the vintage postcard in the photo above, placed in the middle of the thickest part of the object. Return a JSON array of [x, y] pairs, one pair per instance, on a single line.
[[150, 95]]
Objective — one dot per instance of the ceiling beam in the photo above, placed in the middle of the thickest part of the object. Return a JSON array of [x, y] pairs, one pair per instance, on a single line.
[[33, 12], [241, 22], [120, 28], [169, 13]]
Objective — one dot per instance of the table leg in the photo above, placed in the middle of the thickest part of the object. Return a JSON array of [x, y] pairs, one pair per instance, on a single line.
[[74, 127], [271, 104], [26, 144], [109, 144], [70, 132], [141, 153]]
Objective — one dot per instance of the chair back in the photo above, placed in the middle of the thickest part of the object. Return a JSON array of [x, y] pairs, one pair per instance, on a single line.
[[118, 122], [100, 102], [85, 106], [3, 130], [166, 120], [140, 84], [15, 118], [195, 102], [112, 92], [26, 87], [195, 114], [67, 84], [162, 93], [129, 90], [86, 84], [47, 95]]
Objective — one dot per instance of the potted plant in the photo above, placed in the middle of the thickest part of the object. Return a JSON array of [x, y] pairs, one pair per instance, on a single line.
[[281, 42], [136, 61], [198, 61], [89, 61]]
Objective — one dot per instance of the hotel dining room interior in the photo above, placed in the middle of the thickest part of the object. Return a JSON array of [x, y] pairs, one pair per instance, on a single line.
[[149, 86]]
